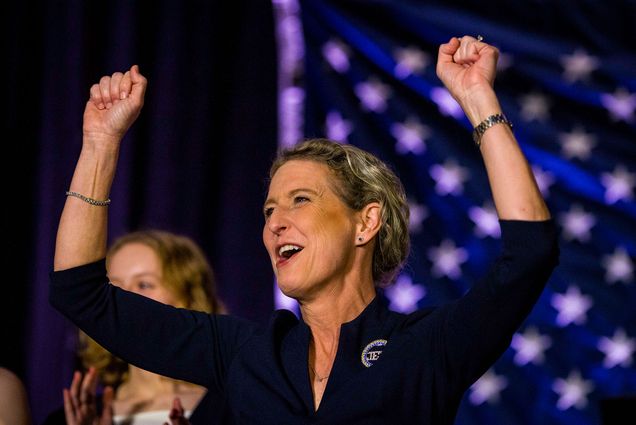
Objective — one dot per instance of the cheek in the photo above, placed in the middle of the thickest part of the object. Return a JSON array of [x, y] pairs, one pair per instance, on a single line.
[[155, 294], [166, 297], [335, 239], [268, 240], [265, 237]]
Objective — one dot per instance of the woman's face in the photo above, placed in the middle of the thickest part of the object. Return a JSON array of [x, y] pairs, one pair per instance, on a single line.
[[309, 232], [135, 267]]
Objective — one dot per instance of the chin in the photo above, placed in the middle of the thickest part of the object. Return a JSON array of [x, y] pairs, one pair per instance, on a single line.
[[288, 289], [292, 288]]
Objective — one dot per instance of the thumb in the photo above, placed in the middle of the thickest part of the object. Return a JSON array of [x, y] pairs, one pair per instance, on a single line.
[[139, 83], [488, 62]]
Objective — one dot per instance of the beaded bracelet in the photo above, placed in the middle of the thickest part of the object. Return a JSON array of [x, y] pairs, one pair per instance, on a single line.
[[89, 200]]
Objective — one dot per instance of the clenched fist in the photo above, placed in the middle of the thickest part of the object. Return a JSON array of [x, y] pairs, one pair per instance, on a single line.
[[114, 104]]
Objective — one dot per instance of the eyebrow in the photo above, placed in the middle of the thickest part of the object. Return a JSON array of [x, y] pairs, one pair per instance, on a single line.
[[292, 193]]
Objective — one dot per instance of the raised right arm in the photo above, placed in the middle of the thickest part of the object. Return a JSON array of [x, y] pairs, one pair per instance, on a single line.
[[178, 343], [114, 104]]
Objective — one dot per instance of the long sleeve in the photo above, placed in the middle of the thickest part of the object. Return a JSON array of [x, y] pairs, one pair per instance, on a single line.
[[179, 343], [478, 328]]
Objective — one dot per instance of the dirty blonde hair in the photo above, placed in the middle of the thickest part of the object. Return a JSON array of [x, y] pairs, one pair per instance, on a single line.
[[362, 178]]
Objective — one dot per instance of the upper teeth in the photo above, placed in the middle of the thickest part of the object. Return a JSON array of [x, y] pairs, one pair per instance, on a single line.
[[286, 248]]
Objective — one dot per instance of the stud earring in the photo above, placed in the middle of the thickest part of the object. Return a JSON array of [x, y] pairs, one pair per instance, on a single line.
[[360, 238]]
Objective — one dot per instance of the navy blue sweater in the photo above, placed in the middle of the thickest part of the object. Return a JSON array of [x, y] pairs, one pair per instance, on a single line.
[[390, 368]]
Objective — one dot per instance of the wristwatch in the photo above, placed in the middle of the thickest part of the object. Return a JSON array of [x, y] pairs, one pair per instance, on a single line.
[[479, 131]]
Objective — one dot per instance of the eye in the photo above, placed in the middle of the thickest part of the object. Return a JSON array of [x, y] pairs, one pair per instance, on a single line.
[[144, 285], [300, 199], [267, 212]]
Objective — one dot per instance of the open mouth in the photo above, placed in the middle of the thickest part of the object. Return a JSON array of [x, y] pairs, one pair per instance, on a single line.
[[286, 252]]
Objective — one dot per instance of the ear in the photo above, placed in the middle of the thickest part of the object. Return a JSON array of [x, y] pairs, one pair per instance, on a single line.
[[369, 223]]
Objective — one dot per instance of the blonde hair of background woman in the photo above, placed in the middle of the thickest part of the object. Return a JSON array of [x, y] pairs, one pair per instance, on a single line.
[[186, 273]]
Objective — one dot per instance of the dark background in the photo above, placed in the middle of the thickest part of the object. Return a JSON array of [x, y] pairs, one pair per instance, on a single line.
[[194, 163]]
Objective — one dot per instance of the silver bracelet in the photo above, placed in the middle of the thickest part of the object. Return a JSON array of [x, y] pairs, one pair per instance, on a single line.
[[479, 131], [89, 200]]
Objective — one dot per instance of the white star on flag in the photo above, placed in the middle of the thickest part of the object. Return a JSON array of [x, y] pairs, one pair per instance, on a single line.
[[577, 144], [618, 266], [449, 178], [338, 128], [534, 107], [404, 294], [445, 103], [417, 214], [578, 66], [373, 94], [530, 346], [486, 221], [572, 391], [447, 259], [544, 179], [620, 105], [572, 307], [577, 224], [487, 388], [618, 185], [618, 350], [410, 136], [336, 53], [410, 60]]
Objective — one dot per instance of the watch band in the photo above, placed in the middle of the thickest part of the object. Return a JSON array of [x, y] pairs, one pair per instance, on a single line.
[[479, 131]]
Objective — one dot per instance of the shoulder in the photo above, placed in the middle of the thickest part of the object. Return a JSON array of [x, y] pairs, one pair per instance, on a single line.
[[9, 378], [11, 386], [416, 318], [281, 324], [13, 400]]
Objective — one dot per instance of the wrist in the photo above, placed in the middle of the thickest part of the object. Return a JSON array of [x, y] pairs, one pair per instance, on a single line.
[[100, 144], [489, 122], [94, 173], [480, 104]]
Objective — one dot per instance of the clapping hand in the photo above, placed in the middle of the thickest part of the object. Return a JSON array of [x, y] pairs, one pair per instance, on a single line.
[[80, 406], [177, 414]]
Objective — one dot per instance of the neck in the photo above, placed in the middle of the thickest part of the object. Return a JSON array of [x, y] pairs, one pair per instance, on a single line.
[[339, 304], [325, 314], [143, 383]]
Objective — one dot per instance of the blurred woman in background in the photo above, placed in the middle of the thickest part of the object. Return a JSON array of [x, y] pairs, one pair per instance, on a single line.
[[164, 267]]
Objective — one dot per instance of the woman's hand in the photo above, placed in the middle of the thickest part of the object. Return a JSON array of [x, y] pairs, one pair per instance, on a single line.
[[467, 67], [80, 407], [114, 104]]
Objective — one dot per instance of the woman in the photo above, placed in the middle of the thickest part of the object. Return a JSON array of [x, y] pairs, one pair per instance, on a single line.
[[335, 226], [164, 267]]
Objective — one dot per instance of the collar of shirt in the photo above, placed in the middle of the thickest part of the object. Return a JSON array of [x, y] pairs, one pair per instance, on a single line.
[[369, 326]]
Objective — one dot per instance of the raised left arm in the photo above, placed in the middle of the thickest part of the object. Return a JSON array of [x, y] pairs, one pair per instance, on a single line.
[[467, 67]]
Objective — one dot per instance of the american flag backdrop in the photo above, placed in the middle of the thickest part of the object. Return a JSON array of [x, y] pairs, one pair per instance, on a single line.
[[363, 72]]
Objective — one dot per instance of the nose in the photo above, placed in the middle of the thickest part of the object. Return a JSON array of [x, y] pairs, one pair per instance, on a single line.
[[278, 221], [135, 289], [127, 286]]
